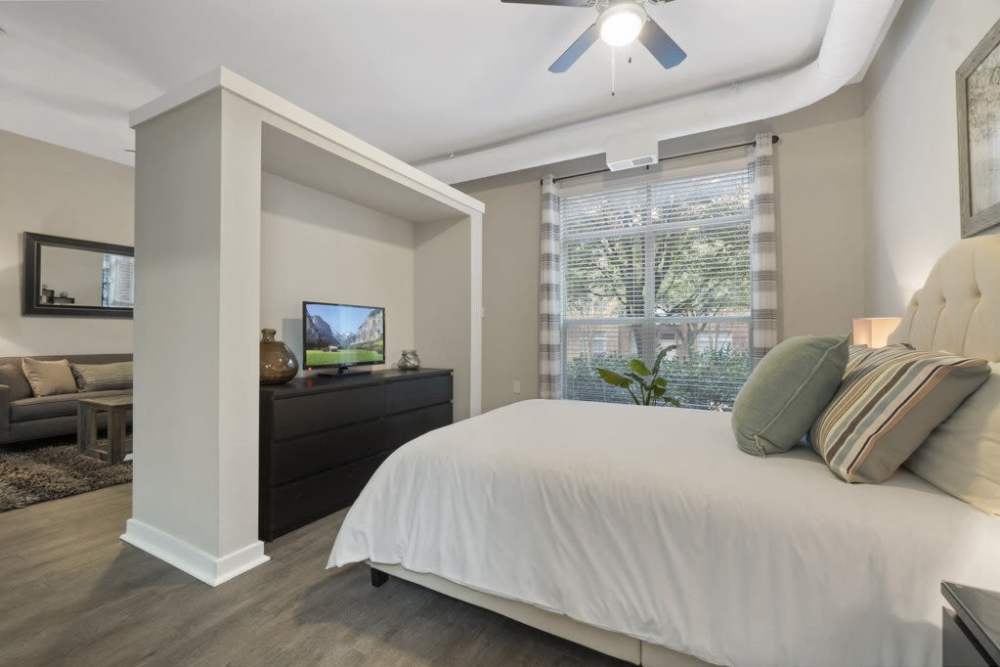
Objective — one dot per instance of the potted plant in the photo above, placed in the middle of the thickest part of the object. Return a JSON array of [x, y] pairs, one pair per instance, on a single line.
[[644, 385]]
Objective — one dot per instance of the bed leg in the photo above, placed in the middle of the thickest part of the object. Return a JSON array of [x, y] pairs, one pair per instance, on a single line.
[[378, 577]]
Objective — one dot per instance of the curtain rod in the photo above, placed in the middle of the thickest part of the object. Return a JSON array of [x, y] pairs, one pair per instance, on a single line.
[[774, 139]]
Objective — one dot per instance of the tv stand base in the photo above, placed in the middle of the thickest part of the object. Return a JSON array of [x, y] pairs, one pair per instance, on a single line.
[[343, 370]]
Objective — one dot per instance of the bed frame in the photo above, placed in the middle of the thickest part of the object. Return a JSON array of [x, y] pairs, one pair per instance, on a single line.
[[956, 310], [610, 643]]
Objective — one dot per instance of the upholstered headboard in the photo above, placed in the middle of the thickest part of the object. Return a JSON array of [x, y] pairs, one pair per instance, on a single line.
[[958, 308]]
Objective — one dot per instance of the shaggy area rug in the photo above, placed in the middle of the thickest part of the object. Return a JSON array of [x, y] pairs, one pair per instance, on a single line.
[[29, 476]]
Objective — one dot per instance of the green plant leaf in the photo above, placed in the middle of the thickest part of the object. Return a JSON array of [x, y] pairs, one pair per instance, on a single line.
[[660, 356], [659, 391], [659, 360], [638, 379], [613, 378], [660, 382], [639, 367], [672, 401]]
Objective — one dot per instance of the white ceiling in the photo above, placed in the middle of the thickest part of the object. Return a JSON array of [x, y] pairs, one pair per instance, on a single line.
[[419, 79]]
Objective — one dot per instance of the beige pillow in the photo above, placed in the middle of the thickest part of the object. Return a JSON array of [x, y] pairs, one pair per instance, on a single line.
[[98, 377], [48, 377], [962, 456], [889, 402]]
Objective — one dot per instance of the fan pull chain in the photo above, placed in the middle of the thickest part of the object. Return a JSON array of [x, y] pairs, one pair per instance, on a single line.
[[612, 71]]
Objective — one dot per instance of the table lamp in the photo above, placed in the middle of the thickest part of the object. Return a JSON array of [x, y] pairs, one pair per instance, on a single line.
[[874, 331]]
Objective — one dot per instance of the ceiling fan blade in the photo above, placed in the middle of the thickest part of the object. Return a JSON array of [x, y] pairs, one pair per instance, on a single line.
[[575, 50], [661, 45], [554, 3]]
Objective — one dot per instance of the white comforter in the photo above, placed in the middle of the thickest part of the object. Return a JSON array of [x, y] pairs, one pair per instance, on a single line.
[[650, 522]]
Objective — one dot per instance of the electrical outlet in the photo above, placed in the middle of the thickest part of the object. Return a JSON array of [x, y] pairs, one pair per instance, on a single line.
[[517, 386]]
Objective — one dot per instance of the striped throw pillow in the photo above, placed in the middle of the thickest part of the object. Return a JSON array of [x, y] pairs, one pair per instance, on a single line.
[[889, 402]]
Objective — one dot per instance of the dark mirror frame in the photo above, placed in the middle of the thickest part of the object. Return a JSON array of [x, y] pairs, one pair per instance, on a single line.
[[33, 244]]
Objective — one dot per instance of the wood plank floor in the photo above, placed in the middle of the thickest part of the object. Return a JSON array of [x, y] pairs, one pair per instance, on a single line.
[[71, 593]]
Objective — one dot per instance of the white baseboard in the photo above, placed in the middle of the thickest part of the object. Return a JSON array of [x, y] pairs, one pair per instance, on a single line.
[[185, 557]]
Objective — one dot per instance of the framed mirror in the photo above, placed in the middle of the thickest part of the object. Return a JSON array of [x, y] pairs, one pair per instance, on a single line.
[[978, 81], [74, 278]]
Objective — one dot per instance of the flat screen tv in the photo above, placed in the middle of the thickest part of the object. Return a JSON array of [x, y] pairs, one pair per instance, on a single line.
[[340, 335]]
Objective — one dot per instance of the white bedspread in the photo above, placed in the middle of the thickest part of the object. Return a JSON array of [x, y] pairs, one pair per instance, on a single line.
[[650, 522]]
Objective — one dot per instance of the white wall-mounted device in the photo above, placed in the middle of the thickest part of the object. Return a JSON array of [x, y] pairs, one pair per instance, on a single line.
[[628, 151]]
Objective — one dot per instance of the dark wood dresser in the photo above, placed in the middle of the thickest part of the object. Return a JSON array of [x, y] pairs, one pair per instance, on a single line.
[[321, 438]]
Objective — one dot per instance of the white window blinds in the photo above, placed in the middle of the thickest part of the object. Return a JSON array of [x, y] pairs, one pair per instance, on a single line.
[[653, 264]]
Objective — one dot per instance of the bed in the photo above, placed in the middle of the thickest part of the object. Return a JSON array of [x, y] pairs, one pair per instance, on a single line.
[[647, 535]]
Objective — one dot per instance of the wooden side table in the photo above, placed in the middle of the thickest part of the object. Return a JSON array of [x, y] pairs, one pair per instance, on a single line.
[[117, 408]]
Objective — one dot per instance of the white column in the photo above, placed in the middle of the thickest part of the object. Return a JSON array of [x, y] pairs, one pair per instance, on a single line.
[[196, 355]]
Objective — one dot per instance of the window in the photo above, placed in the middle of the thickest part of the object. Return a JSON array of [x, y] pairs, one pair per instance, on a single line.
[[664, 262], [117, 289]]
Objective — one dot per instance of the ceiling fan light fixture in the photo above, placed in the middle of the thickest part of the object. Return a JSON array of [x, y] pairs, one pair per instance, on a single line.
[[620, 24]]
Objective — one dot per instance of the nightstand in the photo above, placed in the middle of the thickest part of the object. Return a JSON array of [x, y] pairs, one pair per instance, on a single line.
[[970, 627]]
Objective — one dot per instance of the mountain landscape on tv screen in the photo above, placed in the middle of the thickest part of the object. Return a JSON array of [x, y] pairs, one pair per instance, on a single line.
[[325, 345]]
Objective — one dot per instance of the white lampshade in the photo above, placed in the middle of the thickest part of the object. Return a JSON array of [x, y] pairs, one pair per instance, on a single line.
[[874, 331]]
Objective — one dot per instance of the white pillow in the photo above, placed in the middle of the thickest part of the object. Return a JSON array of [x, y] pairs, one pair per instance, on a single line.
[[962, 455]]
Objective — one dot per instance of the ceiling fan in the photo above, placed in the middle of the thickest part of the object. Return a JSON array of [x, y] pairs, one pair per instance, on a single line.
[[619, 22]]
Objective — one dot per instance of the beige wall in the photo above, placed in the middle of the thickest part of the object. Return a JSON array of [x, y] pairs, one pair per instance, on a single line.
[[510, 291], [820, 184], [912, 146], [52, 190], [318, 247], [443, 326]]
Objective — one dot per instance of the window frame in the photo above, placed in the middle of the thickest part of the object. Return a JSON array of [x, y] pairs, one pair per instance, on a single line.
[[649, 232]]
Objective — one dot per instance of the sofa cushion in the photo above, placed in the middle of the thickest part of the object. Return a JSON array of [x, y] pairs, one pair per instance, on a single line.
[[98, 377], [12, 376], [48, 377], [59, 405], [72, 358]]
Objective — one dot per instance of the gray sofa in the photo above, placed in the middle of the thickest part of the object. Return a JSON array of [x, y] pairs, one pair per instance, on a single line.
[[48, 416]]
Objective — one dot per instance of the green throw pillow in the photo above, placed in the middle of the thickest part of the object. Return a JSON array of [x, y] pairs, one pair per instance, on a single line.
[[787, 392]]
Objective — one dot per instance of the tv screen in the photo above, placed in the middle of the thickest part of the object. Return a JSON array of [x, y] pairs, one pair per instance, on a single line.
[[336, 334]]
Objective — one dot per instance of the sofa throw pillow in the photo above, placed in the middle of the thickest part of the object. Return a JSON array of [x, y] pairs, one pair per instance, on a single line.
[[100, 377], [787, 391], [17, 385], [48, 377], [962, 456], [889, 402]]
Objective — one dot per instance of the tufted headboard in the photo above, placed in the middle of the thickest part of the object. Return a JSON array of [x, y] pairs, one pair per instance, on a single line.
[[958, 308]]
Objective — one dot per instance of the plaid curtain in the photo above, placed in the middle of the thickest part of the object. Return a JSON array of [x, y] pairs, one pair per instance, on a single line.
[[763, 251], [549, 296]]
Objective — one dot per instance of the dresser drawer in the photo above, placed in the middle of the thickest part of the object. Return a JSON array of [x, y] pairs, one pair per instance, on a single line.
[[418, 393], [314, 453], [400, 429], [326, 410], [297, 503]]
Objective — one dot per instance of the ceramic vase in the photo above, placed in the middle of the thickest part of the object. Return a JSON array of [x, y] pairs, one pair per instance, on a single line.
[[409, 361], [278, 364]]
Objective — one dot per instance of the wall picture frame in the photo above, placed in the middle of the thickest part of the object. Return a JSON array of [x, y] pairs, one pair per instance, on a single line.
[[978, 86]]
